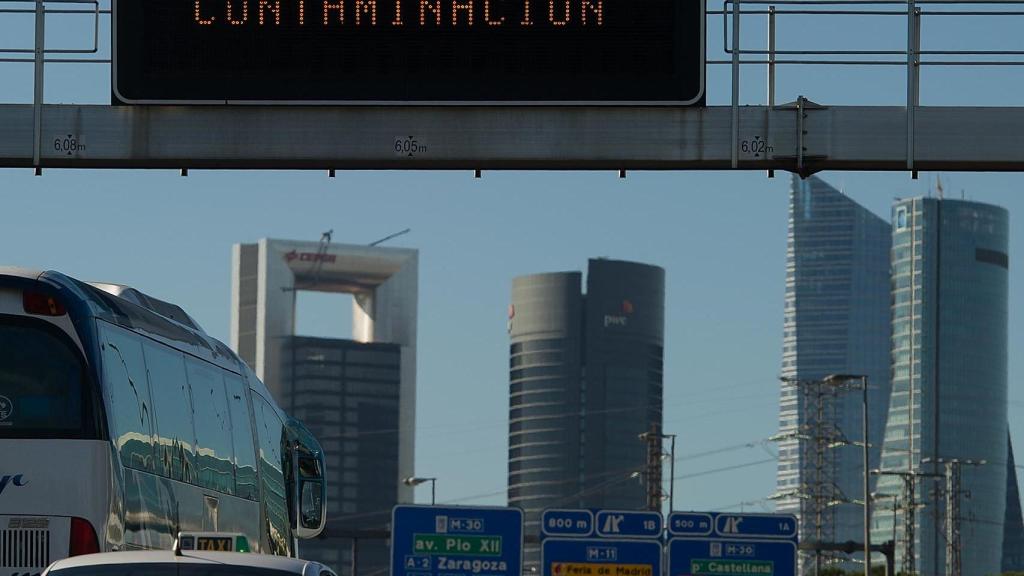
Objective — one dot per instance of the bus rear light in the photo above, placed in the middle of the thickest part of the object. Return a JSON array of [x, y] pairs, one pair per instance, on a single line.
[[83, 538], [42, 304]]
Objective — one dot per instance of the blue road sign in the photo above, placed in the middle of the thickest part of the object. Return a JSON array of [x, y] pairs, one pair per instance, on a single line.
[[628, 524], [555, 522], [756, 525], [600, 557], [706, 556], [456, 541], [712, 543]]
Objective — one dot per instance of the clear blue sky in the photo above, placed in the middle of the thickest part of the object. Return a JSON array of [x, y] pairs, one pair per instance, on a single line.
[[720, 236]]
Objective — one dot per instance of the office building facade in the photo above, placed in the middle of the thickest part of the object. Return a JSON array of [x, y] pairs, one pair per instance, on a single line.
[[357, 396], [949, 380], [347, 394], [836, 321], [585, 380]]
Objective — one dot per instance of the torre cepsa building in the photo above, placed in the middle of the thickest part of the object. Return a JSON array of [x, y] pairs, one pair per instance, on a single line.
[[356, 395]]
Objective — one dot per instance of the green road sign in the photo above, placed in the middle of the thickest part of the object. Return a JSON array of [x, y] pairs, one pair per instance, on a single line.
[[456, 544], [723, 567]]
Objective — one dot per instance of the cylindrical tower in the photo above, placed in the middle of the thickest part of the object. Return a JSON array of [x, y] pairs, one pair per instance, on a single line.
[[623, 360], [545, 320]]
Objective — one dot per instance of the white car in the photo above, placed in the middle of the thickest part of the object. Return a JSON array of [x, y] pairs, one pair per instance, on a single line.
[[179, 562]]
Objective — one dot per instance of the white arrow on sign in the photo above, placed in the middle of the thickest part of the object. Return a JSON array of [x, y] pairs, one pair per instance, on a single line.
[[611, 523], [732, 525]]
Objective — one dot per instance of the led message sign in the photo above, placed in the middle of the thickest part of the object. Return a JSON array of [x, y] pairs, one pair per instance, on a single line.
[[409, 51]]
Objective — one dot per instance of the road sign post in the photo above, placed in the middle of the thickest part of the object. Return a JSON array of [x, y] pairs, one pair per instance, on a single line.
[[456, 541]]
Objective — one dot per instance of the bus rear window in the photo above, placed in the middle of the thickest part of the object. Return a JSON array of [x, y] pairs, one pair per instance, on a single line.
[[44, 389]]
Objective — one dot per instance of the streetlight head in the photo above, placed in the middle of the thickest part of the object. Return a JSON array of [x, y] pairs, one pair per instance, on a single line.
[[416, 481], [842, 377]]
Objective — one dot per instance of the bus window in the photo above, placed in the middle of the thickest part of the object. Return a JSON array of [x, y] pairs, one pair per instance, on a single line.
[[213, 427], [173, 406], [124, 376], [275, 491], [241, 433], [44, 389]]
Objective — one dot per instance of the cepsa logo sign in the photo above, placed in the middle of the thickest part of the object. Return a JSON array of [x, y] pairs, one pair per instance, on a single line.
[[621, 319], [310, 257]]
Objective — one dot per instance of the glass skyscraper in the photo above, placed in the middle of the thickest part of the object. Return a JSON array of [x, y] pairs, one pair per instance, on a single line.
[[347, 393], [949, 378], [585, 380], [836, 321]]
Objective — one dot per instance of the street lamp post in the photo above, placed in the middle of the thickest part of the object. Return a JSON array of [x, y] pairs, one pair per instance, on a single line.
[[672, 476], [867, 480], [416, 481], [867, 463]]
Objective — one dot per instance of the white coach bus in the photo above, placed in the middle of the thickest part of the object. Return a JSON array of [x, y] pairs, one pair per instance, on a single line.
[[123, 423]]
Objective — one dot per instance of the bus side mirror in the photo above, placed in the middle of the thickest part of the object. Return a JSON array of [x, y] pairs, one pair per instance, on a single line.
[[310, 492], [307, 486]]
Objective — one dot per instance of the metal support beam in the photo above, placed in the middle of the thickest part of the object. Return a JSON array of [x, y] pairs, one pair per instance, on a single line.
[[771, 56], [913, 47], [37, 89], [735, 162], [497, 138]]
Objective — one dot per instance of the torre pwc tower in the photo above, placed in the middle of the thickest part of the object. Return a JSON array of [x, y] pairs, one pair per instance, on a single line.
[[585, 381], [357, 395], [949, 389]]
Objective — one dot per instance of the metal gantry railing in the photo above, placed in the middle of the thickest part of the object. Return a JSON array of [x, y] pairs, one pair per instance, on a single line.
[[39, 51], [913, 57], [733, 16], [40, 10]]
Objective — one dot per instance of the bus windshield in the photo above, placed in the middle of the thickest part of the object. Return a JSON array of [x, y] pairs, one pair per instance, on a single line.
[[44, 391]]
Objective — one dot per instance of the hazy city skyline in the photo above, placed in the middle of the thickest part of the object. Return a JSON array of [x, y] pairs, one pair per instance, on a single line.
[[724, 296], [720, 236]]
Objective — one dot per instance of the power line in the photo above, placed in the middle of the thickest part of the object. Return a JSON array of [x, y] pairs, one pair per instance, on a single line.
[[559, 415], [622, 474], [725, 469]]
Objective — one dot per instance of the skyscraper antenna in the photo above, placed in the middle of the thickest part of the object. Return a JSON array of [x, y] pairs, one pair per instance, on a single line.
[[389, 237]]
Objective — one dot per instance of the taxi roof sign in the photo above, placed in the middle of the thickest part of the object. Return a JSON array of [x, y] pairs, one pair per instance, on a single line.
[[211, 542]]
